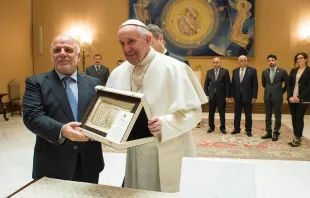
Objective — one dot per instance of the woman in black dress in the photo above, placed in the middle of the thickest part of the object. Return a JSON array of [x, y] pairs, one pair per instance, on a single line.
[[299, 95]]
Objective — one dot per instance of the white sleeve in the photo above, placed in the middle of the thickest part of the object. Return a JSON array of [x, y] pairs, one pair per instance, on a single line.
[[178, 123], [61, 139]]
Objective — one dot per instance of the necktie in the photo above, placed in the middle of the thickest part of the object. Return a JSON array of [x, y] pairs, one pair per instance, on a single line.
[[97, 68], [72, 100], [272, 72], [216, 73], [242, 74]]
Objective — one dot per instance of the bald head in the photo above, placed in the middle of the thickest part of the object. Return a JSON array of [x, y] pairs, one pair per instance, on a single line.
[[66, 37], [216, 63], [242, 57], [243, 61], [65, 54]]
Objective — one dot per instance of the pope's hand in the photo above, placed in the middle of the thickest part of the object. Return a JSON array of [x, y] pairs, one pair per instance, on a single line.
[[154, 125]]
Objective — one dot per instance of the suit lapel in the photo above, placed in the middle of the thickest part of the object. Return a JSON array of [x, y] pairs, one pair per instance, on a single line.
[[100, 69], [303, 73], [213, 74], [220, 73], [268, 76], [246, 72], [276, 74], [55, 84], [238, 74], [94, 70]]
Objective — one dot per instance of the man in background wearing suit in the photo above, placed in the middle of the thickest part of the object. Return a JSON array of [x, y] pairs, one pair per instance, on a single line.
[[98, 71], [158, 43], [244, 87], [217, 89], [53, 104], [119, 62], [272, 80]]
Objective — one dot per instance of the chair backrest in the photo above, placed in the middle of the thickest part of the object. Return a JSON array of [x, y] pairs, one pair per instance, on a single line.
[[14, 90]]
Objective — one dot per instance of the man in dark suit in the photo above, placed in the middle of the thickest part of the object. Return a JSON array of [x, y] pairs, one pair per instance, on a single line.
[[119, 62], [272, 80], [158, 43], [98, 71], [53, 104], [244, 87], [217, 89]]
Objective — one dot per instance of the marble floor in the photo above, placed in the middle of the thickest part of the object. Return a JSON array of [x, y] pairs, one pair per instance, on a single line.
[[16, 152]]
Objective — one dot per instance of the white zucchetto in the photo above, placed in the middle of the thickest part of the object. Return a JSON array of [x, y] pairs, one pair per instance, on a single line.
[[133, 22]]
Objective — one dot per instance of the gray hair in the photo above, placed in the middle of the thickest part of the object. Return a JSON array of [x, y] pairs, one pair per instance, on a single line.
[[155, 30], [77, 45], [216, 57], [242, 56]]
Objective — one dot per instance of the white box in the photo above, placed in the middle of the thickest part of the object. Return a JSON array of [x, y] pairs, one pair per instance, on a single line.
[[118, 118]]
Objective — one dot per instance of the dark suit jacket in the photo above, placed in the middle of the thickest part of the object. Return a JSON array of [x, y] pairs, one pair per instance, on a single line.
[[102, 74], [274, 91], [303, 84], [221, 85], [46, 109], [247, 90], [177, 57]]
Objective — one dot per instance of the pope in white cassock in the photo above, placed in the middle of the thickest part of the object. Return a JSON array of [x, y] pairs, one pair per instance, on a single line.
[[175, 97]]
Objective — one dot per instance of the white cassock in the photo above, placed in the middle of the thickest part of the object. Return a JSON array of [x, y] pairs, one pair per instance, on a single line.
[[175, 96]]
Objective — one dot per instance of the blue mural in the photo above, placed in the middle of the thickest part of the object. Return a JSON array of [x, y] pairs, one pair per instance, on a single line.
[[201, 27]]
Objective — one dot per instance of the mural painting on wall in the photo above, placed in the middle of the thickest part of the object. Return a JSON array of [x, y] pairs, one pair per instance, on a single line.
[[201, 27]]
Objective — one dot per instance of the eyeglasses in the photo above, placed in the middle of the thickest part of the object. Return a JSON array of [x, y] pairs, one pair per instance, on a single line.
[[300, 58]]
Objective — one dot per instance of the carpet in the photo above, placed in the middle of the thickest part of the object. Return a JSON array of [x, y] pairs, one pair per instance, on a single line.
[[217, 144]]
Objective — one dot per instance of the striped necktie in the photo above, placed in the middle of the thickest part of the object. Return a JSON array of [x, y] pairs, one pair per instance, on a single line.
[[272, 73], [242, 74]]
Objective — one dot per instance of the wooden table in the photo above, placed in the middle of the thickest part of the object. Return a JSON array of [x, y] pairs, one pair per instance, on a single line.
[[2, 107]]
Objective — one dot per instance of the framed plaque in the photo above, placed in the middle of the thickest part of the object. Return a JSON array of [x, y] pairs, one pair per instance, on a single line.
[[118, 118]]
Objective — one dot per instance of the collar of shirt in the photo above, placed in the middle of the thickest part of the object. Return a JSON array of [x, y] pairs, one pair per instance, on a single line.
[[73, 84], [148, 59], [275, 68], [61, 76], [217, 70], [243, 68], [240, 70]]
